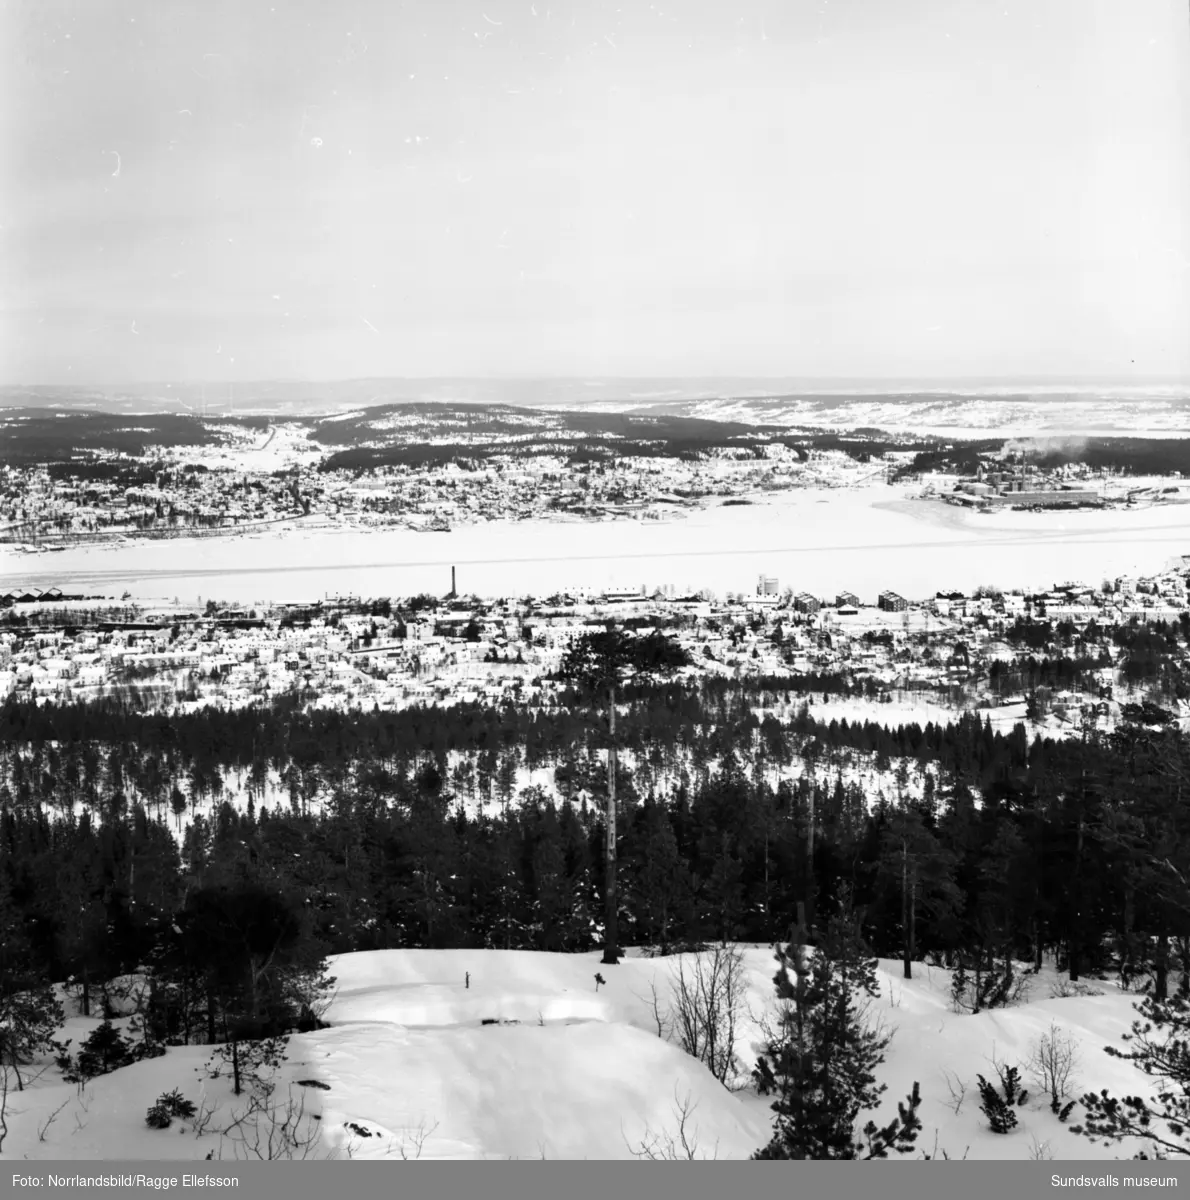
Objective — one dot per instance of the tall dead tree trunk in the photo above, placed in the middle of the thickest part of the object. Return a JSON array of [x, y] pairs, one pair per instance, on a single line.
[[908, 913], [809, 922], [1161, 967], [912, 922], [1074, 946], [611, 948], [766, 879]]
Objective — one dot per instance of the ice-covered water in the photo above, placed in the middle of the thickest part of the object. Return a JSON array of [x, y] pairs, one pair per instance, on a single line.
[[864, 540]]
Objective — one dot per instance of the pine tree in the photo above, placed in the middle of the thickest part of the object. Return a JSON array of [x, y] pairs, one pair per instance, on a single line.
[[997, 1108], [1160, 1047], [263, 973], [80, 919], [922, 871], [30, 1013], [821, 1060]]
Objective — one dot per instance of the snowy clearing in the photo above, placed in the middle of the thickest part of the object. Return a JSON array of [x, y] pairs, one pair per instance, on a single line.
[[517, 1054]]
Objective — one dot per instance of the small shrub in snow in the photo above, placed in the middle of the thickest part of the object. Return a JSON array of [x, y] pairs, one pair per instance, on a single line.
[[1022, 987], [105, 1049], [158, 1117], [682, 1145], [940, 1152], [176, 1105], [986, 984], [250, 1061], [1064, 989], [409, 1143], [1040, 1151], [673, 948], [999, 1112], [1010, 1084]]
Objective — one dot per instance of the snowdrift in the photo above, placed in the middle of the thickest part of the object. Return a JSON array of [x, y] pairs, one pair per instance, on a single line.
[[519, 1054]]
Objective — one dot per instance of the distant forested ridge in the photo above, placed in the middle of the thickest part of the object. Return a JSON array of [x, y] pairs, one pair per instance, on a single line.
[[38, 437], [1125, 455], [417, 433], [387, 436]]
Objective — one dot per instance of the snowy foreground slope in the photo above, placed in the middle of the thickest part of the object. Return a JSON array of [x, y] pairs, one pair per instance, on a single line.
[[408, 1068]]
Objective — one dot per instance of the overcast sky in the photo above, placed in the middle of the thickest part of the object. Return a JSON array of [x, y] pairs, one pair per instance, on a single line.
[[253, 189]]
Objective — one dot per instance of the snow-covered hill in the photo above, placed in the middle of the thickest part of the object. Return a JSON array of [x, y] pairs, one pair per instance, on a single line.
[[498, 1054]]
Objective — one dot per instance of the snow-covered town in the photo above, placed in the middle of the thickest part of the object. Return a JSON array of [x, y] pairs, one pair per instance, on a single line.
[[346, 652], [218, 492], [409, 467]]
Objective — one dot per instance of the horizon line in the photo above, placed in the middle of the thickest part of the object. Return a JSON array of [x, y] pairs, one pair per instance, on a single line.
[[943, 381]]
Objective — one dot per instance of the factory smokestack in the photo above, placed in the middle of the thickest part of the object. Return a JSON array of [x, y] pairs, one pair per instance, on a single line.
[[454, 591]]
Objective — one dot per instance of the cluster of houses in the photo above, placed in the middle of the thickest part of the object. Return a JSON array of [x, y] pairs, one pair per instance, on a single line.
[[36, 504], [352, 653], [848, 603]]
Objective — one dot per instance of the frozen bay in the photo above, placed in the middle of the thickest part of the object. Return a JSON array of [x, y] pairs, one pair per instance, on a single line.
[[864, 540]]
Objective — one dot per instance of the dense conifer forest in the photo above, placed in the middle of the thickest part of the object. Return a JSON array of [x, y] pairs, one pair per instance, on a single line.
[[121, 849]]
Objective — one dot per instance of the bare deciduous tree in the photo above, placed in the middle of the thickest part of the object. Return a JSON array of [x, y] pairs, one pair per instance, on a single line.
[[271, 1130], [1040, 1151], [203, 1116], [709, 1004], [410, 1143], [957, 1088], [1052, 1062], [708, 1001], [940, 1152], [44, 1128], [680, 1145]]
